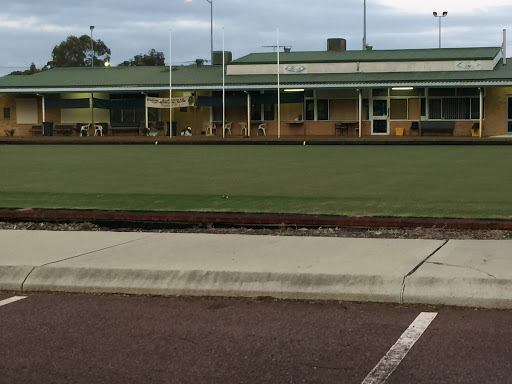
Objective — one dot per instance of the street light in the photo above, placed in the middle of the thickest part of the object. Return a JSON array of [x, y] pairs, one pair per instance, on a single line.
[[211, 26], [440, 17], [92, 47]]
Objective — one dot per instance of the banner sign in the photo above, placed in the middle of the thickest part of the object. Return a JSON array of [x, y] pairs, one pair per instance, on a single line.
[[163, 102]]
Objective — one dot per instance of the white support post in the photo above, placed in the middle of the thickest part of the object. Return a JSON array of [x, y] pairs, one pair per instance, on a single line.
[[278, 90], [170, 83], [481, 112], [223, 88], [248, 114], [43, 108], [146, 107], [360, 113]]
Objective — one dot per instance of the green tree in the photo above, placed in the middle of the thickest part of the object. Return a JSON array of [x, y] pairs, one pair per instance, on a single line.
[[152, 58], [76, 52], [33, 69]]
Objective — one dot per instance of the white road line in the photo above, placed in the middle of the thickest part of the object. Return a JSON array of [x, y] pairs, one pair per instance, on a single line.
[[396, 354], [11, 300]]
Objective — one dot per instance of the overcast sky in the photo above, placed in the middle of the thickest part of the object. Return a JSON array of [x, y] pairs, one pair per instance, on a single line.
[[30, 29]]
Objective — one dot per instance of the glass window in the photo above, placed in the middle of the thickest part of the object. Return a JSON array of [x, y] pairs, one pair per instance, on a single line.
[[434, 109], [322, 109], [456, 109], [423, 107], [366, 109], [441, 92], [7, 113], [475, 108], [380, 92], [310, 109], [268, 112]]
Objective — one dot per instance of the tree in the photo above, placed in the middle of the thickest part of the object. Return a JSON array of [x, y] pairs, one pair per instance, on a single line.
[[76, 52], [33, 69], [153, 58]]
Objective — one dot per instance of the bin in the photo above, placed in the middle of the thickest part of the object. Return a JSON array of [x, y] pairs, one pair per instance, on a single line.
[[399, 131]]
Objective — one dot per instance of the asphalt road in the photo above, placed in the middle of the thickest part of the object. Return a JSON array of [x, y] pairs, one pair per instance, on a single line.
[[109, 339]]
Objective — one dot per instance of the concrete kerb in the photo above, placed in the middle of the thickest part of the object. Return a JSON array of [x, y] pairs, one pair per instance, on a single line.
[[247, 266], [470, 273]]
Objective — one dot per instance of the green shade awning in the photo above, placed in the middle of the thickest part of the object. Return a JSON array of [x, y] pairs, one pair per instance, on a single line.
[[66, 103]]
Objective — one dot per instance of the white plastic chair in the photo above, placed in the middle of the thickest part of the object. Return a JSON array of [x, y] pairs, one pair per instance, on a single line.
[[84, 128], [263, 128], [98, 129], [243, 128], [227, 127], [210, 128]]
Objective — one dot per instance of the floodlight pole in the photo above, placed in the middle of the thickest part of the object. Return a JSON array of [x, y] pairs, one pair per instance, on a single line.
[[92, 47], [440, 17]]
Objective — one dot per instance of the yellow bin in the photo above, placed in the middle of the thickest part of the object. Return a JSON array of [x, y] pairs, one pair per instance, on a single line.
[[399, 131]]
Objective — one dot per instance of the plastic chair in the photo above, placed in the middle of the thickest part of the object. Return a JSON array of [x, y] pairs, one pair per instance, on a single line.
[[210, 128], [243, 128], [263, 128], [84, 129], [98, 129], [227, 127]]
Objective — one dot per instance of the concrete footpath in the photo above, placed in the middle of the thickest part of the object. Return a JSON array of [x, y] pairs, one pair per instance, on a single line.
[[466, 273]]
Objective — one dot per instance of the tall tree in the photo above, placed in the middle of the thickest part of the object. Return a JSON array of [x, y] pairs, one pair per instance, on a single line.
[[152, 58], [76, 52]]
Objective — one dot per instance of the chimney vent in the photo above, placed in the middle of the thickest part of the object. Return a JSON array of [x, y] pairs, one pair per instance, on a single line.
[[336, 45], [217, 57]]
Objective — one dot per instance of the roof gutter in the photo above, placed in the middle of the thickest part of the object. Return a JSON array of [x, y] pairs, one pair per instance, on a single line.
[[419, 84]]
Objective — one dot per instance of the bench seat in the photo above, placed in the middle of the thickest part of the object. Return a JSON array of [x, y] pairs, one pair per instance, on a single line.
[[437, 127], [115, 127]]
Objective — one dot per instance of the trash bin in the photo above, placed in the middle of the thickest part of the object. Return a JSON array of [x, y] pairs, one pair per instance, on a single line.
[[399, 131], [174, 128], [48, 128]]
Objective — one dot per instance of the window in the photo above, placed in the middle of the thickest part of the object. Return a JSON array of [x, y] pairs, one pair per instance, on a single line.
[[310, 109], [322, 109], [262, 112], [7, 113], [453, 104], [132, 115]]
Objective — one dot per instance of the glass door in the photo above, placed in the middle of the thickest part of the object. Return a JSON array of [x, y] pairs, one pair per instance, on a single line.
[[380, 114]]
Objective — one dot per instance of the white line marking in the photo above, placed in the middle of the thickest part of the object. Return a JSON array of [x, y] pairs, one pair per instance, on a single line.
[[11, 300], [396, 354]]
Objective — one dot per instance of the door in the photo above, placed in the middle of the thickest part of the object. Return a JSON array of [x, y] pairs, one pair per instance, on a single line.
[[380, 117], [509, 115]]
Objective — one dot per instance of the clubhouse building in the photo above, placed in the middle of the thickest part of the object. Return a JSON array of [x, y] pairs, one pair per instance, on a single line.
[[446, 91]]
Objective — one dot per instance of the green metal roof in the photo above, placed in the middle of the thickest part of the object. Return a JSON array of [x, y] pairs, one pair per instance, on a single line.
[[372, 56], [210, 77]]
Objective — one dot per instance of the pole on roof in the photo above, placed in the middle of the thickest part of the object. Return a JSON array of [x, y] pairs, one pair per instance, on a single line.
[[278, 90], [481, 123], [223, 88], [170, 83], [504, 47], [364, 27]]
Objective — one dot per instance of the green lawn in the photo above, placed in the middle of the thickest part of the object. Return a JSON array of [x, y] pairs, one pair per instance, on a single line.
[[416, 181]]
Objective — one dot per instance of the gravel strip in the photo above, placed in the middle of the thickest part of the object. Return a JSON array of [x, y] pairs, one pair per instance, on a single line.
[[388, 233]]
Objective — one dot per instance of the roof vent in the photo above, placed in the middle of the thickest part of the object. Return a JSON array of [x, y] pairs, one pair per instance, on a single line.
[[336, 45], [217, 57]]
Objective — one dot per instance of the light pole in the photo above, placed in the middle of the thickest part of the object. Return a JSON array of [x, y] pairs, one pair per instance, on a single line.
[[211, 26], [92, 47], [440, 17]]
